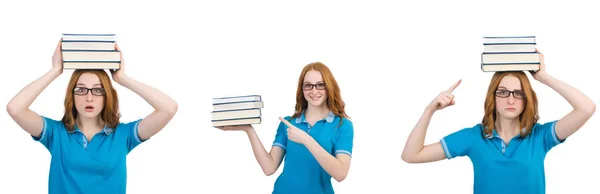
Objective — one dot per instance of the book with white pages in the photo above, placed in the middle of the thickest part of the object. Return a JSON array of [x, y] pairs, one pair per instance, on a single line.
[[235, 114], [508, 48], [232, 99], [91, 65], [87, 45], [509, 39], [91, 56], [238, 106], [509, 67], [508, 58], [88, 37]]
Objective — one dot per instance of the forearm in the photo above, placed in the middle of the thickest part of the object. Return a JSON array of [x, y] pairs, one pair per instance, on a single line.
[[574, 97], [158, 100], [332, 165], [264, 159], [416, 139], [27, 95]]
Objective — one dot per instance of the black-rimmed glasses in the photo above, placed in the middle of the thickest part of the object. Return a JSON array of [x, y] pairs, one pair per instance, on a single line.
[[84, 91], [505, 93], [319, 86]]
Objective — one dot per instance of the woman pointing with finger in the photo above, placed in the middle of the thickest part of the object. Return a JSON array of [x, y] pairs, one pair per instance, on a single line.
[[509, 146], [316, 140]]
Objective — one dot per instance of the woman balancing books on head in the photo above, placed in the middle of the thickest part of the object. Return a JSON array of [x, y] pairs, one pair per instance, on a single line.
[[89, 144], [316, 140], [509, 146]]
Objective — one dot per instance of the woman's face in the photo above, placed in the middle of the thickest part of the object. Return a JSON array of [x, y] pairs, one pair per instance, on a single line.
[[89, 96], [510, 98], [314, 88]]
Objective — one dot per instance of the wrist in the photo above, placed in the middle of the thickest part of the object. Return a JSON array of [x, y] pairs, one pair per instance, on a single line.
[[122, 79], [430, 110], [55, 71], [307, 141], [543, 77], [249, 130]]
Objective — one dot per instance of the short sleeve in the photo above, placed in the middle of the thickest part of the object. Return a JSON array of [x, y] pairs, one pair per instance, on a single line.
[[344, 138], [548, 132], [458, 143], [49, 128], [281, 136], [133, 137]]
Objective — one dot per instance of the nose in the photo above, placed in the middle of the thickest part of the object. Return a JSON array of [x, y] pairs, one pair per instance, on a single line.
[[89, 97], [511, 99]]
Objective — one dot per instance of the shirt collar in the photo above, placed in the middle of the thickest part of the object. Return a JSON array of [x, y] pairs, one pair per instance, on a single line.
[[107, 130], [302, 118], [495, 134]]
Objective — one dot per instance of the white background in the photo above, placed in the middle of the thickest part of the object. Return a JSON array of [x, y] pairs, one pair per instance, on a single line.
[[390, 60]]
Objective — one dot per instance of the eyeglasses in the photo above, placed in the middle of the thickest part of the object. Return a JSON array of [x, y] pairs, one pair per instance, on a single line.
[[84, 91], [319, 86], [505, 93]]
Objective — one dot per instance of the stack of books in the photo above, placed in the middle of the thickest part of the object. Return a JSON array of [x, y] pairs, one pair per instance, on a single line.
[[509, 53], [90, 51], [237, 110]]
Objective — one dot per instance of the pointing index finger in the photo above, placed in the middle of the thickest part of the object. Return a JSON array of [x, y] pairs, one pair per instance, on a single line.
[[451, 89], [285, 122]]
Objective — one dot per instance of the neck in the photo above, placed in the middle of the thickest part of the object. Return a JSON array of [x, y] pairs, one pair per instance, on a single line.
[[506, 127], [89, 124], [317, 111]]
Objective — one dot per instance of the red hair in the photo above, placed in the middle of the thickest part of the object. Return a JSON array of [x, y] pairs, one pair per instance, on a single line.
[[109, 114], [334, 100], [527, 118]]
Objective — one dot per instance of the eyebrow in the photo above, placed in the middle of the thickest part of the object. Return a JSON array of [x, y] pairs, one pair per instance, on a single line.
[[502, 87], [319, 82], [81, 84]]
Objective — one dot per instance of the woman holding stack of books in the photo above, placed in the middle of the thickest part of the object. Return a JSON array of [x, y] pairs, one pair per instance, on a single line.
[[509, 146], [316, 140], [89, 144]]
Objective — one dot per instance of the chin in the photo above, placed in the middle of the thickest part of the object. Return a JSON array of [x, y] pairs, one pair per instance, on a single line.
[[88, 114], [316, 104], [510, 115]]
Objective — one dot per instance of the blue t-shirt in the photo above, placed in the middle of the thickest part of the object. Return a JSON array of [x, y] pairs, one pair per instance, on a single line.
[[302, 173], [81, 166], [515, 167]]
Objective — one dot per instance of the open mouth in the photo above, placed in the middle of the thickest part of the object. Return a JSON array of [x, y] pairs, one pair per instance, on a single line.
[[89, 108]]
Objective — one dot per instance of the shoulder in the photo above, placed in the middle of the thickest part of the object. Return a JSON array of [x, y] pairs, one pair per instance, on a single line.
[[343, 125], [129, 124], [472, 131], [52, 123], [345, 122], [51, 120], [542, 126]]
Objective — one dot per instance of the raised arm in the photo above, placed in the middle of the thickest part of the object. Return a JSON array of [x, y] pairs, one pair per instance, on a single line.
[[164, 107], [18, 107], [415, 150], [269, 161], [583, 107]]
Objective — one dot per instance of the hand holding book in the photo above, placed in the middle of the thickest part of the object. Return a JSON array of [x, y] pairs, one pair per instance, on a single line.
[[57, 58], [118, 74], [235, 128], [539, 74]]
